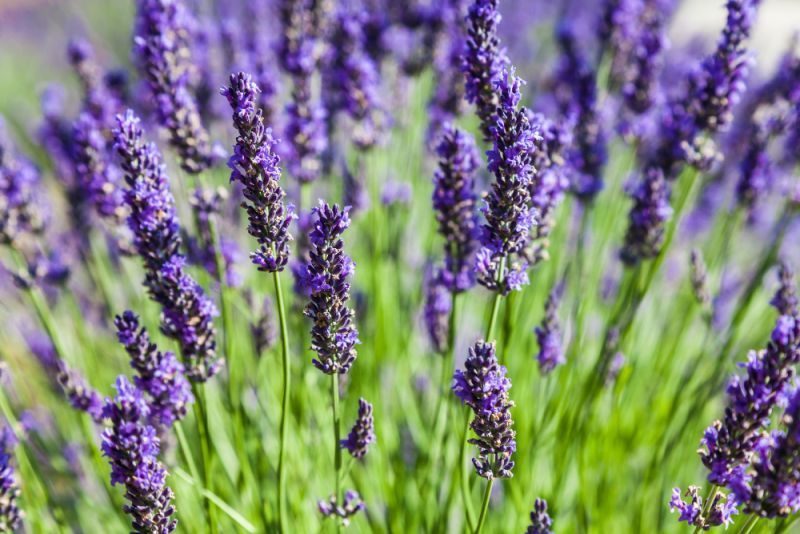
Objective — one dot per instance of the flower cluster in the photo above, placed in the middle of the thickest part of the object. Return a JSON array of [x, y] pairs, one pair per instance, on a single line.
[[159, 374], [187, 313], [363, 432], [79, 394], [333, 335], [785, 298], [254, 164], [540, 520], [548, 335], [351, 505], [10, 514], [483, 386], [436, 312], [132, 447], [720, 510]]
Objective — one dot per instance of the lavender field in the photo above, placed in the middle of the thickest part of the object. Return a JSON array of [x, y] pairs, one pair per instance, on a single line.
[[399, 266]]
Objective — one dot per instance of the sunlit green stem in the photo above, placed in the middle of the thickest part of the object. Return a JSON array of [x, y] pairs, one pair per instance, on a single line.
[[485, 507], [284, 403]]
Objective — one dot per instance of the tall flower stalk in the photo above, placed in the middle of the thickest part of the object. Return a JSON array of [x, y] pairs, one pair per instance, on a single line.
[[254, 164]]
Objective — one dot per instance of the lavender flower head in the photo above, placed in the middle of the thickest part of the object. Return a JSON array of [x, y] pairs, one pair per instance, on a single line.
[[483, 387], [132, 447], [350, 506], [363, 432], [160, 375], [484, 62], [647, 219], [728, 444], [548, 334], [720, 510], [508, 212], [640, 83], [785, 298], [436, 312], [10, 514], [163, 56], [254, 164], [80, 395], [187, 313], [540, 520], [333, 335], [454, 201]]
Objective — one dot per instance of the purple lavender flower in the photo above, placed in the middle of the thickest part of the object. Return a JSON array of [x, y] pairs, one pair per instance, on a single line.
[[80, 395], [362, 435], [720, 511], [132, 447], [641, 75], [447, 100], [785, 298], [254, 163], [548, 334], [729, 443], [454, 201], [187, 313], [159, 374], [509, 217], [772, 487], [484, 62], [588, 154], [648, 216], [436, 312], [540, 520], [351, 79], [21, 208], [161, 44], [10, 515], [333, 336], [99, 100], [483, 387], [350, 506]]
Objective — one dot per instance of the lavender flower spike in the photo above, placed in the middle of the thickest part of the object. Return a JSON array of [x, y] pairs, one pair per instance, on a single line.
[[333, 336], [508, 212], [187, 313], [10, 514], [785, 298], [163, 56], [80, 395], [454, 201], [483, 62], [483, 387], [647, 219], [160, 374], [436, 312], [540, 520], [363, 432], [132, 447], [548, 335], [254, 163]]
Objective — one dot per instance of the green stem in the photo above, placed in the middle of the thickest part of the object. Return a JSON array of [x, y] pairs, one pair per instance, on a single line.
[[485, 507], [337, 448], [201, 419], [284, 404], [464, 477], [749, 525], [706, 506]]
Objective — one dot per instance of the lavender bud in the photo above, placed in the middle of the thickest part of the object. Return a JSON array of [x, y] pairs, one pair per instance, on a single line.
[[351, 506], [254, 164], [81, 397], [333, 335], [132, 447], [785, 298], [363, 432], [648, 217], [540, 520], [548, 334], [436, 313], [483, 387], [10, 514], [720, 510]]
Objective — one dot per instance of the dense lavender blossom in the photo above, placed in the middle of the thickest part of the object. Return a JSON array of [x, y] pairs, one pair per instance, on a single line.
[[509, 217], [187, 313], [333, 336], [80, 395], [540, 520], [785, 298], [617, 31], [729, 443], [588, 153], [351, 79], [21, 210], [132, 447], [254, 164], [484, 62], [548, 334], [720, 510], [436, 313], [10, 514], [639, 89], [351, 506], [483, 387], [454, 200], [772, 488], [163, 56], [362, 435], [647, 219], [159, 374]]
